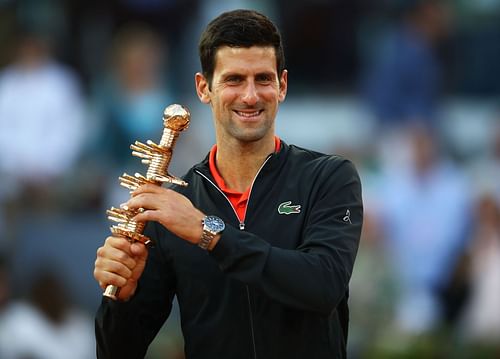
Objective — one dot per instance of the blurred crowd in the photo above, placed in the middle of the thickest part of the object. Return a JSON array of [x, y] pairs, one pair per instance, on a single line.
[[407, 89]]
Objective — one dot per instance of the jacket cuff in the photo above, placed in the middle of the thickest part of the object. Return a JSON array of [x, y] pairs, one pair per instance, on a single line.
[[227, 246]]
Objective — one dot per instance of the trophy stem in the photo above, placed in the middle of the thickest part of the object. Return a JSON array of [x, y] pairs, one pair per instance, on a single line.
[[175, 119]]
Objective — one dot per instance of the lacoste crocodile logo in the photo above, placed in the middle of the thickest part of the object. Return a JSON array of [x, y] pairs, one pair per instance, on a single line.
[[285, 208]]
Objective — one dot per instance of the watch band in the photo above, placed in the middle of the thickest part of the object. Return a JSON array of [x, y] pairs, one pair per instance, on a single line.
[[206, 239]]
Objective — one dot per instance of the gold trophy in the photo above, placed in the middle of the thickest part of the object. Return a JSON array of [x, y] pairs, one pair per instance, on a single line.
[[157, 157]]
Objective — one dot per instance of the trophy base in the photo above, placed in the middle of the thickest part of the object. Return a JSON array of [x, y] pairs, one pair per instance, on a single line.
[[111, 292]]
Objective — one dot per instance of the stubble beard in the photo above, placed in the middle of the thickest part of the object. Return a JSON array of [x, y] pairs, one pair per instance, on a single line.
[[248, 134]]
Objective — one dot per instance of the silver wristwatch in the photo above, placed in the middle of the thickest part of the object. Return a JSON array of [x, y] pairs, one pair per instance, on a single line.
[[212, 226]]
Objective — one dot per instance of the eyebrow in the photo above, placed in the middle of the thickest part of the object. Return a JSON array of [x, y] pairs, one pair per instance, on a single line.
[[239, 74]]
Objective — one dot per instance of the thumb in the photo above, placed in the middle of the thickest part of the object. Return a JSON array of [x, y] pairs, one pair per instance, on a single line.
[[138, 249]]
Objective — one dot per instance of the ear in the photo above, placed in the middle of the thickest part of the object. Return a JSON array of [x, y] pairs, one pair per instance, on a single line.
[[202, 88], [283, 86]]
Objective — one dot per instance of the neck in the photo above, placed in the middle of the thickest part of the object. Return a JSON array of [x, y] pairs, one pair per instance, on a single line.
[[238, 163]]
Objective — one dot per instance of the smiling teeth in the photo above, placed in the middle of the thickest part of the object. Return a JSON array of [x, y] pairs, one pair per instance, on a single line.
[[248, 114]]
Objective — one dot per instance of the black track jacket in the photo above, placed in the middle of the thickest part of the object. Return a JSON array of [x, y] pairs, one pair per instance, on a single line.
[[273, 287]]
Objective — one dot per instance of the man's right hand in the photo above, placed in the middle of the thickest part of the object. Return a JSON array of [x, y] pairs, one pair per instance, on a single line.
[[120, 263]]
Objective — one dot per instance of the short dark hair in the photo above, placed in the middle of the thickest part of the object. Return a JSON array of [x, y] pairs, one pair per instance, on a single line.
[[238, 28]]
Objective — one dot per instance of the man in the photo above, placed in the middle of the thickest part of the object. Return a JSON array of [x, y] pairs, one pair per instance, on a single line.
[[402, 83], [268, 276]]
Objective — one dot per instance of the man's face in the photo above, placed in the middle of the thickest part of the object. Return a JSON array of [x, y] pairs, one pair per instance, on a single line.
[[245, 93]]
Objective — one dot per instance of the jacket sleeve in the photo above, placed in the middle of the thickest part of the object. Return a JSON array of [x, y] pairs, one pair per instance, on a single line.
[[315, 275], [125, 329]]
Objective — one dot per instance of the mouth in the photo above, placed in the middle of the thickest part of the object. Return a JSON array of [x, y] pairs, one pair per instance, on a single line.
[[248, 114]]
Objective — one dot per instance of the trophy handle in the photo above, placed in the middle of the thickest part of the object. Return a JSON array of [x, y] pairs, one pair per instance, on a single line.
[[111, 292]]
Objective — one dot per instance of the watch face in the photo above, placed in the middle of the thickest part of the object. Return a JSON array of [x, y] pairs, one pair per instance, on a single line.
[[214, 224]]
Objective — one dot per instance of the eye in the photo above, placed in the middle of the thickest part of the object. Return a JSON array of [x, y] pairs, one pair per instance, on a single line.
[[264, 78], [234, 79]]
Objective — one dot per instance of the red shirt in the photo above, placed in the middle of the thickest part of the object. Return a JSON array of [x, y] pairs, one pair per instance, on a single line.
[[239, 200]]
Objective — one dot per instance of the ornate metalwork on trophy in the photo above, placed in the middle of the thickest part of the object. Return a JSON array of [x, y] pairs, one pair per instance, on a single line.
[[157, 156]]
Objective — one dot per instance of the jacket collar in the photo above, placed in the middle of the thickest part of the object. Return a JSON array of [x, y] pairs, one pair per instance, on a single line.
[[276, 160]]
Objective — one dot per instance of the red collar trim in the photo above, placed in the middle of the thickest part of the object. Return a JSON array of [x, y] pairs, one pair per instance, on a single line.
[[218, 178]]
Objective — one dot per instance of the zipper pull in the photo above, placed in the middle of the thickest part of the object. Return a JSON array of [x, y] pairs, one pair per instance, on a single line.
[[242, 226]]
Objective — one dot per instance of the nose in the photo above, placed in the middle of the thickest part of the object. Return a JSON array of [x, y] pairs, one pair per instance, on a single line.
[[250, 96]]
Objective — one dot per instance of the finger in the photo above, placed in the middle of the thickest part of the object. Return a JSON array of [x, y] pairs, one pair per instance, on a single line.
[[146, 188], [114, 254], [115, 266], [117, 242], [109, 272], [147, 216], [107, 278], [143, 200], [105, 264]]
